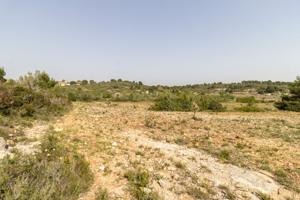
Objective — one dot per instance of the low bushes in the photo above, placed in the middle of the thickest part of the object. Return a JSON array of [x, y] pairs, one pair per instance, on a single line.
[[186, 103], [291, 102], [288, 103], [250, 100], [177, 103], [20, 101], [53, 173], [249, 108]]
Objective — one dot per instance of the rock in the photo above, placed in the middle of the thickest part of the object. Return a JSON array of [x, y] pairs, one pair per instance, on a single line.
[[10, 143], [2, 143], [115, 144], [3, 149], [163, 184], [102, 168], [58, 129], [147, 190], [163, 192]]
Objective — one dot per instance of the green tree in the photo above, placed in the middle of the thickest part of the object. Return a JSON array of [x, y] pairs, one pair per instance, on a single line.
[[2, 74], [73, 83], [43, 80], [292, 101], [295, 88], [37, 80], [92, 82], [84, 82]]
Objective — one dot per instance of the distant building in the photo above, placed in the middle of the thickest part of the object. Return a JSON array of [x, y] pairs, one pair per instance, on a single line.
[[63, 83]]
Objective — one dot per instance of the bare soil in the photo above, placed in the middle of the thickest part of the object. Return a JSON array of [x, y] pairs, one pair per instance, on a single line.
[[210, 156]]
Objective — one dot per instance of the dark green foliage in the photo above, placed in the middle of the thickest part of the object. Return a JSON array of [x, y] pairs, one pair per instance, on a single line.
[[209, 103], [185, 103], [288, 104], [84, 82], [21, 101], [295, 88], [43, 80], [215, 106], [2, 74], [53, 173], [168, 103], [292, 102], [269, 89]]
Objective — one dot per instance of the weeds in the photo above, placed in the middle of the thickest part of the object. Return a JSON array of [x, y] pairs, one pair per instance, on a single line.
[[138, 182], [224, 155], [53, 173], [180, 165], [197, 193], [263, 196], [102, 194], [229, 195]]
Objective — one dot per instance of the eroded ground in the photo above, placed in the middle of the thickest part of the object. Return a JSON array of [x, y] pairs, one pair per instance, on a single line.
[[186, 157]]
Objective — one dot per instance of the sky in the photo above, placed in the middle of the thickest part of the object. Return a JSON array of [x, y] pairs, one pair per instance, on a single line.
[[154, 41]]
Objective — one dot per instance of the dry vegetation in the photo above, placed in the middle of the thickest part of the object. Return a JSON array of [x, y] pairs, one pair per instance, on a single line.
[[229, 141], [115, 138]]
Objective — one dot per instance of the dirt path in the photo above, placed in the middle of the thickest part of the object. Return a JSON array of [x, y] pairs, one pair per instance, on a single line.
[[177, 172]]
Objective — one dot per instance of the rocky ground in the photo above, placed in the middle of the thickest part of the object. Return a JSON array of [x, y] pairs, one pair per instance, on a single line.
[[117, 138], [207, 156]]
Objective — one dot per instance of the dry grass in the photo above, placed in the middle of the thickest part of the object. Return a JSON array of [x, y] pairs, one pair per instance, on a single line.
[[265, 140], [268, 140]]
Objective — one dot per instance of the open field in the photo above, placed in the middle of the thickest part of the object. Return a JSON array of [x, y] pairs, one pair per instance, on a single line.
[[125, 140], [186, 157]]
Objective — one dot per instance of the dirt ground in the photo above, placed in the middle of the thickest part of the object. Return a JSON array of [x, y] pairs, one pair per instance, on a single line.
[[226, 155]]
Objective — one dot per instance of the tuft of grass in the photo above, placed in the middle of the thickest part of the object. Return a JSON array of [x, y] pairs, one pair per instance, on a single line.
[[263, 196], [197, 193], [224, 154], [102, 194], [229, 195], [138, 181], [150, 122], [181, 141], [180, 165], [53, 173], [249, 108]]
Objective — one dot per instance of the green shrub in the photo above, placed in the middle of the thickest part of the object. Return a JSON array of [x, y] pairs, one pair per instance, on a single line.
[[292, 102], [215, 106], [288, 103], [27, 110], [168, 103], [224, 154], [249, 100], [53, 173], [138, 181], [2, 74], [185, 103], [21, 101], [249, 108], [209, 103]]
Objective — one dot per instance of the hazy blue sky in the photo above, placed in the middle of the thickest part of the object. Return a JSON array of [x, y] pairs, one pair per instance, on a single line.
[[155, 41]]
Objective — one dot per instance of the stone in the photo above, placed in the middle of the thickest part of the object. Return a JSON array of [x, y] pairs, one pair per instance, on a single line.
[[2, 143], [102, 168], [115, 144]]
